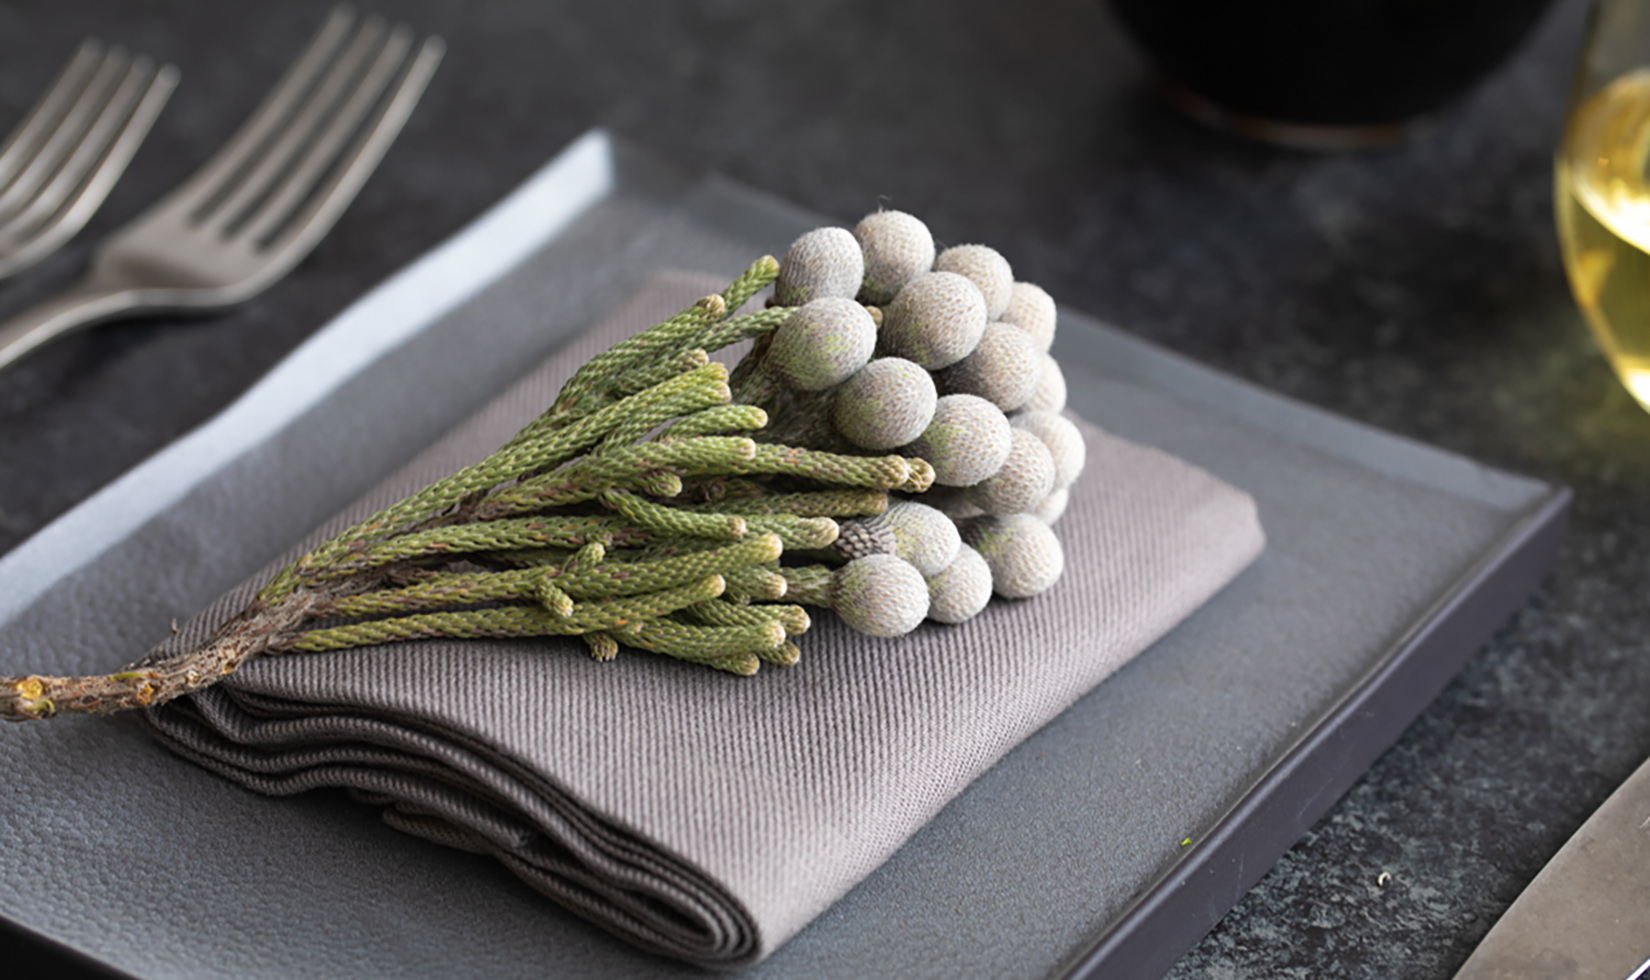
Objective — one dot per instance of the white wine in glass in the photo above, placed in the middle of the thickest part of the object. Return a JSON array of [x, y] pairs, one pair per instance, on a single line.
[[1602, 190]]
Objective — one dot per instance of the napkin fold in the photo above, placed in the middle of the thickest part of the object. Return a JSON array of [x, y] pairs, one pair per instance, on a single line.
[[699, 815]]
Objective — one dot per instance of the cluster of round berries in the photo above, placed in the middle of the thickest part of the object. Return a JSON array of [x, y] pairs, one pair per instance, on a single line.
[[893, 346]]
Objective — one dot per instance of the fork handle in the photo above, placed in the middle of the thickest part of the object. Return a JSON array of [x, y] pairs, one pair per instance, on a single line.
[[81, 305]]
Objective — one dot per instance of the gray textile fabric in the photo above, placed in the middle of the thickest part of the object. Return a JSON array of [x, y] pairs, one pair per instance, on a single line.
[[699, 815]]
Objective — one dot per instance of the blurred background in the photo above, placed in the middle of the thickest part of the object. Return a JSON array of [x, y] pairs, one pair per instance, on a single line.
[[1415, 286]]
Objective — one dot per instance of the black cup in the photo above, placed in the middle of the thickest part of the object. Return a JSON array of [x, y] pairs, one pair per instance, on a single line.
[[1325, 72]]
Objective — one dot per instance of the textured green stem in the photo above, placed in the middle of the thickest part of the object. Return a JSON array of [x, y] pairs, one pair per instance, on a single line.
[[811, 585], [794, 619], [633, 382], [554, 531], [871, 472], [795, 532], [747, 327], [717, 421], [812, 503], [623, 615], [704, 644], [759, 275], [756, 584], [674, 522], [605, 580], [662, 343], [528, 452], [641, 351]]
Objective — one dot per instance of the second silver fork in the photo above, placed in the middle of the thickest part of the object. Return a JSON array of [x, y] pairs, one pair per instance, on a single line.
[[263, 201], [57, 167]]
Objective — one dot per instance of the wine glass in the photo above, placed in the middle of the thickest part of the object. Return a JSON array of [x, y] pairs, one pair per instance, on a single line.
[[1601, 189]]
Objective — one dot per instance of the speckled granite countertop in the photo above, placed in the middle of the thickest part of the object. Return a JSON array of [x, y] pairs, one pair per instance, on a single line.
[[1416, 288]]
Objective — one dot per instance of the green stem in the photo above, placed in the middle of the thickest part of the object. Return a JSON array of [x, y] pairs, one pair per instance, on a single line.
[[811, 585], [620, 615]]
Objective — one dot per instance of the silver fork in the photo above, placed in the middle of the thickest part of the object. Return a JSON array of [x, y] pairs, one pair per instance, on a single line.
[[60, 162], [264, 200]]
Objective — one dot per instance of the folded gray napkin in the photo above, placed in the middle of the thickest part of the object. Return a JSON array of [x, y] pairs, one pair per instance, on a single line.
[[700, 815]]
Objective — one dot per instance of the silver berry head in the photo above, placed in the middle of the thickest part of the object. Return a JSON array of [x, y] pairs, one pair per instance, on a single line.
[[1025, 479], [967, 441], [1003, 368], [922, 535], [1032, 309], [1023, 553], [1050, 395], [1052, 506], [886, 405], [823, 342], [880, 595], [935, 320], [1063, 439], [986, 268], [897, 249], [961, 589], [826, 262]]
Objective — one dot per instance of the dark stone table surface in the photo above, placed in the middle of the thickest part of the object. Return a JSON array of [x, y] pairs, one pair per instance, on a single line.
[[1417, 288]]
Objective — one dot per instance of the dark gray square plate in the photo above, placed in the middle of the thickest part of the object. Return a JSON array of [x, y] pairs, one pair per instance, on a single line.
[[1109, 842]]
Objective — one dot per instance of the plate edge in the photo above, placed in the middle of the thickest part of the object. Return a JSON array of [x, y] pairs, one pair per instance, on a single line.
[[1169, 918]]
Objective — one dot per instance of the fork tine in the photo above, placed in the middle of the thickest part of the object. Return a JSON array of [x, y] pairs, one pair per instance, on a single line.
[[66, 135], [44, 117], [125, 144], [318, 216], [298, 183], [206, 187], [94, 143], [310, 118], [79, 197]]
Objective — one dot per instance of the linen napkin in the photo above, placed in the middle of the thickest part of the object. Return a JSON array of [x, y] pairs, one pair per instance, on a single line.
[[699, 815]]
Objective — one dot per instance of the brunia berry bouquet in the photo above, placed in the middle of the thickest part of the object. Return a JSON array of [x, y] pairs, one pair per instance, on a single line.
[[890, 448]]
